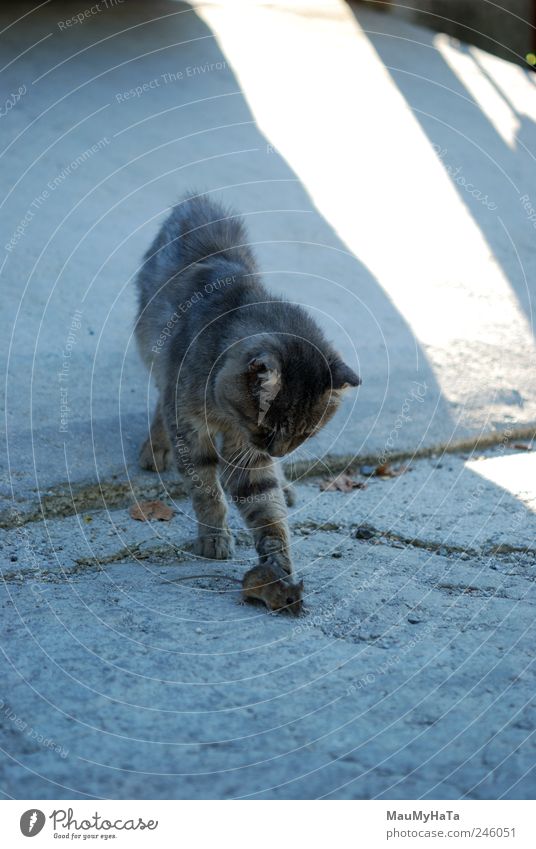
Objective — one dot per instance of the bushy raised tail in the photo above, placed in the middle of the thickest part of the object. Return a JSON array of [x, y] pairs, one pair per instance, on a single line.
[[199, 227]]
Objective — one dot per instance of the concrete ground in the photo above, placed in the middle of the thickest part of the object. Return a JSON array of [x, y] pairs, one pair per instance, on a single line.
[[387, 175], [134, 671]]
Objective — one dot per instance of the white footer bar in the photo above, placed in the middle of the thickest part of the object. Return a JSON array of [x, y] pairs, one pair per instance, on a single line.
[[271, 824]]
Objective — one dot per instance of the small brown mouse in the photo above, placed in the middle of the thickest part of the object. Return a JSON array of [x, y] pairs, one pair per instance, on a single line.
[[265, 583], [274, 587]]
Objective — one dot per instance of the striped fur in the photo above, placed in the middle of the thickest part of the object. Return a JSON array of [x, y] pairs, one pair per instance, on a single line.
[[243, 377]]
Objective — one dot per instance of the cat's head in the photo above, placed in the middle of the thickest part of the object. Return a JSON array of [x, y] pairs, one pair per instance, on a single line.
[[281, 389]]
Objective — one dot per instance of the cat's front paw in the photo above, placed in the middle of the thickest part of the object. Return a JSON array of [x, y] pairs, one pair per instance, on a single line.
[[279, 561], [217, 546]]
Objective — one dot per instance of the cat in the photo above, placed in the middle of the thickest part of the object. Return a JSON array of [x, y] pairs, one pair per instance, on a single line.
[[244, 377]]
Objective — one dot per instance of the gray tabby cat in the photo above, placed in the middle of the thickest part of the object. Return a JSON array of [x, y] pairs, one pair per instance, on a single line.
[[243, 377]]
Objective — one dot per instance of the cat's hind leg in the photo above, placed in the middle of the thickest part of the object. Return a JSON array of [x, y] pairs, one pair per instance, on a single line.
[[196, 457], [289, 491], [156, 454], [290, 494]]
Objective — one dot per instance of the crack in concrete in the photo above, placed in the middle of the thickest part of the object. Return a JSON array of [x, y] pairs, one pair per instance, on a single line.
[[62, 501], [389, 537], [140, 552], [84, 564], [448, 548], [134, 552]]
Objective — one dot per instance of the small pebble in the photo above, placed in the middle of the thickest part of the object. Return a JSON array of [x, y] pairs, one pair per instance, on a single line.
[[336, 554], [14, 558], [364, 532]]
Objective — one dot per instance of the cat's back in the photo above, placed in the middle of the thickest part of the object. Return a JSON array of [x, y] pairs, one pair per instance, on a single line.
[[201, 243], [197, 230]]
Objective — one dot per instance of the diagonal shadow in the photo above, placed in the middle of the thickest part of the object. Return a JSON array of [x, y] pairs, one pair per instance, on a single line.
[[459, 127]]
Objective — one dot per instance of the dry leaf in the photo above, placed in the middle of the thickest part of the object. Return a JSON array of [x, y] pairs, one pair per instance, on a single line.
[[384, 471], [523, 446], [144, 511], [387, 471], [341, 483]]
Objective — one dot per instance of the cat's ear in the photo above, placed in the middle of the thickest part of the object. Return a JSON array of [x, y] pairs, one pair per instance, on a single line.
[[265, 370], [342, 376]]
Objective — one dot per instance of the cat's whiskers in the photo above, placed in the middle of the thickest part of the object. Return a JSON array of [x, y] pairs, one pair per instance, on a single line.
[[232, 464], [233, 460], [292, 466], [245, 459]]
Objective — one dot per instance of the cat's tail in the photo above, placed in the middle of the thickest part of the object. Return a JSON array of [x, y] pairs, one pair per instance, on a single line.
[[206, 228]]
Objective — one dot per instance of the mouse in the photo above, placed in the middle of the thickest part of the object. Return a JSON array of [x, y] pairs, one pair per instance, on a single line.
[[267, 583], [273, 586]]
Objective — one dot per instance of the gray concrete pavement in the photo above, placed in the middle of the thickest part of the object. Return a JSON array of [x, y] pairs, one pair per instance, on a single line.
[[411, 673], [387, 178]]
